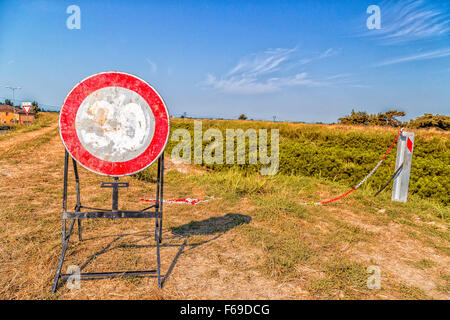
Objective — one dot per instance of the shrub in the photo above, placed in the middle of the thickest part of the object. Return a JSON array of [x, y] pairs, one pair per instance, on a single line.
[[429, 120], [381, 119], [344, 155]]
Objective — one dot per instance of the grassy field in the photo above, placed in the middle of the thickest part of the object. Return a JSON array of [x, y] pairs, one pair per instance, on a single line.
[[346, 154], [254, 240]]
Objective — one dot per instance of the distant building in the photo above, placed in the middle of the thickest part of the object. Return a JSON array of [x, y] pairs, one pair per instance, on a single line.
[[8, 116]]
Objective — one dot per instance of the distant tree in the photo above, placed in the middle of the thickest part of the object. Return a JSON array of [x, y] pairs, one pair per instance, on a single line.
[[388, 118], [8, 102], [242, 117], [35, 107], [360, 117], [184, 115], [429, 120]]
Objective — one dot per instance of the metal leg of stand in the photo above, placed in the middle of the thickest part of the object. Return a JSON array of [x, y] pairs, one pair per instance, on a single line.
[[158, 261], [78, 205], [63, 254], [65, 238], [161, 197], [158, 200], [80, 238], [158, 220]]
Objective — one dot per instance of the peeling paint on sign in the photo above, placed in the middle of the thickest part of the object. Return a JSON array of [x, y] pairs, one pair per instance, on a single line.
[[115, 124]]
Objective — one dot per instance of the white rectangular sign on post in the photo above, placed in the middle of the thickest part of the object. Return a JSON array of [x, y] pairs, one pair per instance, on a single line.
[[405, 150]]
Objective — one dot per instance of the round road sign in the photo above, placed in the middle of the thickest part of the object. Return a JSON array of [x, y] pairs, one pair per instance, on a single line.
[[114, 124]]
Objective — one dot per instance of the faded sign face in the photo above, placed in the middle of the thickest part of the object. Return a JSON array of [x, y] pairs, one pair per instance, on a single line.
[[115, 124]]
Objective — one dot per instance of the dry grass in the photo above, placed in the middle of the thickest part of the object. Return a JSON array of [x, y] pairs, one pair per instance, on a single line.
[[256, 240]]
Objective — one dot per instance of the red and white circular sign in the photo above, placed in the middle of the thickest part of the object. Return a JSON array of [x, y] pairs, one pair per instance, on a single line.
[[114, 124]]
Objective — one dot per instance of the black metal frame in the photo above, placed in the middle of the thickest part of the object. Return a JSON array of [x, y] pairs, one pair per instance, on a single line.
[[114, 213]]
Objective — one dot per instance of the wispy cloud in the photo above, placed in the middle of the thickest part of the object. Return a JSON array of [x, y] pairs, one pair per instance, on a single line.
[[422, 56], [257, 64], [329, 53], [153, 66], [409, 20], [266, 72]]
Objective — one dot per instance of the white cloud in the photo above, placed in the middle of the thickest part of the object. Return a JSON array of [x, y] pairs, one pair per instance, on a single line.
[[153, 66], [329, 52], [422, 56], [266, 72], [262, 63], [411, 20]]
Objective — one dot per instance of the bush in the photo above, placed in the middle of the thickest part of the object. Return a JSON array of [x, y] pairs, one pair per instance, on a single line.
[[381, 119], [429, 120], [342, 155]]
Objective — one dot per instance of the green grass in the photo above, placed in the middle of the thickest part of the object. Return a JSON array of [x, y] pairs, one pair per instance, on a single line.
[[282, 252], [424, 263], [445, 288], [344, 154], [343, 278], [411, 292]]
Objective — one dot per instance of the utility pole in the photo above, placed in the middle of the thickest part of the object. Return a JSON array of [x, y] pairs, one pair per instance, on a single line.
[[14, 100]]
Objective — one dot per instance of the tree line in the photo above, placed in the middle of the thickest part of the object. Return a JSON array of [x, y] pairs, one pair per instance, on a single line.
[[390, 118]]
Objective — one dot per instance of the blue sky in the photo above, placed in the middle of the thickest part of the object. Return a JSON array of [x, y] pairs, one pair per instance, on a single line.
[[296, 60]]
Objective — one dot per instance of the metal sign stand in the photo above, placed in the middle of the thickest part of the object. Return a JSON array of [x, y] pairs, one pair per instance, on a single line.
[[155, 211], [405, 149]]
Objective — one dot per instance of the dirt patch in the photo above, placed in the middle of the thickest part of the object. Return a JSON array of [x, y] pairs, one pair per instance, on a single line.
[[180, 166], [395, 252], [19, 139]]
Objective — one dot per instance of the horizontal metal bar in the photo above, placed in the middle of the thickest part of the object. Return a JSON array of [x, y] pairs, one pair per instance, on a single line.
[[112, 215], [97, 275], [112, 184], [96, 209]]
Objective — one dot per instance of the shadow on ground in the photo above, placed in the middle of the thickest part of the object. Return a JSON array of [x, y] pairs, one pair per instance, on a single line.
[[212, 225], [179, 236]]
